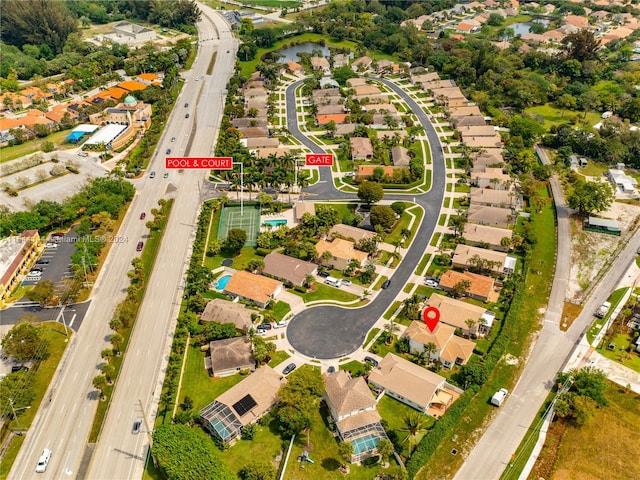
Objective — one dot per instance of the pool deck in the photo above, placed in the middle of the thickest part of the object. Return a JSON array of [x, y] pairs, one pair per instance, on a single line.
[[286, 215]]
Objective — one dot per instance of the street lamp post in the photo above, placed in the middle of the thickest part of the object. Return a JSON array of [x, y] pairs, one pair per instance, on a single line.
[[15, 417]]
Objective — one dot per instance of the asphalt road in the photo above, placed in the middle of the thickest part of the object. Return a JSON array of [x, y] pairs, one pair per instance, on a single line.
[[74, 314], [328, 332], [64, 424], [492, 453]]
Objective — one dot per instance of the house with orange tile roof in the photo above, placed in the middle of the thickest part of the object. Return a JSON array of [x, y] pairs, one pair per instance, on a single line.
[[480, 287], [577, 21], [18, 102], [253, 288], [131, 85], [294, 67], [468, 26], [366, 171], [149, 78], [450, 349], [338, 118], [341, 253]]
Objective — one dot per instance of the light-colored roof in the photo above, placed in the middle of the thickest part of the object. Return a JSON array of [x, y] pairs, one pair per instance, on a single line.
[[480, 285], [489, 215], [455, 312], [254, 287], [477, 130], [364, 61], [231, 353], [260, 142], [464, 111], [304, 207], [367, 90], [415, 383], [361, 419], [457, 348], [492, 196], [346, 394], [106, 134], [262, 385], [463, 253], [331, 109], [288, 268], [494, 141], [223, 311], [319, 62], [391, 133], [294, 66], [361, 147], [419, 332], [357, 82], [485, 234], [400, 156], [354, 233], [340, 248]]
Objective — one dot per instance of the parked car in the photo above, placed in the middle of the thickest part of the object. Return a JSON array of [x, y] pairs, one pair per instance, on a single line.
[[186, 116], [371, 360], [289, 368], [43, 461], [139, 246], [166, 175], [265, 326], [143, 216], [19, 368], [331, 369], [137, 424], [499, 397], [280, 324], [51, 245], [323, 274], [431, 283], [43, 261], [346, 282], [152, 175], [173, 139], [83, 154], [57, 235], [261, 332], [386, 283], [35, 271]]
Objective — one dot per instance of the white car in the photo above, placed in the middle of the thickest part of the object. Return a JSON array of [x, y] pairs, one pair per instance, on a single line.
[[345, 282], [431, 283], [280, 324], [44, 461], [51, 245]]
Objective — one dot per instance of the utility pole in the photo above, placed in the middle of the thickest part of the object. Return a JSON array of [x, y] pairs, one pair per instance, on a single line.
[[15, 417], [241, 186], [148, 431]]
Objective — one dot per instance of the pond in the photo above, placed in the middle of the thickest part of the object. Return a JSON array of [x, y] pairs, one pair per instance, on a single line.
[[291, 53], [525, 27]]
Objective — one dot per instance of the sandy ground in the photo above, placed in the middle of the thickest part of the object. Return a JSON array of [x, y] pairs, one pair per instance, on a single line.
[[590, 251]]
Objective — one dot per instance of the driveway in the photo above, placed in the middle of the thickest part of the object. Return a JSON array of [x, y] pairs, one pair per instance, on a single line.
[[328, 332]]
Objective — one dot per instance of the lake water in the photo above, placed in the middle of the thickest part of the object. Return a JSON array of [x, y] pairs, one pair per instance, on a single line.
[[291, 53], [522, 28]]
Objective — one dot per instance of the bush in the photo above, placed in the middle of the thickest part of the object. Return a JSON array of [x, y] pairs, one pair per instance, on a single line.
[[263, 252]]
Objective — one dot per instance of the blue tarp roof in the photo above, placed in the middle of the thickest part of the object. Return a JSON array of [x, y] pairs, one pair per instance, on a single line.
[[75, 136]]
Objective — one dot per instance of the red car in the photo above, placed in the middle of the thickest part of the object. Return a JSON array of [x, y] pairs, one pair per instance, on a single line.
[[143, 216], [139, 246]]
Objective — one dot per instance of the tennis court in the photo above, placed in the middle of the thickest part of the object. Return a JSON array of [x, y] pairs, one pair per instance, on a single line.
[[247, 218]]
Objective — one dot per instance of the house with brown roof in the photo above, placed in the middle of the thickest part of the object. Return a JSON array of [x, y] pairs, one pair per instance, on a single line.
[[340, 253], [468, 121], [288, 269], [391, 134], [387, 66], [340, 60], [303, 207], [348, 232], [492, 177], [294, 67], [492, 216], [464, 257], [411, 384], [331, 109], [254, 132], [463, 111], [437, 84], [367, 171], [222, 311], [367, 90], [422, 78], [450, 349], [476, 234], [445, 96], [243, 404], [244, 122], [320, 63], [357, 82], [495, 198], [324, 96], [456, 313], [400, 156], [253, 288], [477, 130], [361, 148], [229, 356], [494, 141], [361, 64], [260, 142], [577, 21], [481, 287], [352, 407]]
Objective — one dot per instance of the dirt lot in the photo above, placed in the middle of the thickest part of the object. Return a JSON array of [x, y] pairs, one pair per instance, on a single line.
[[591, 251]]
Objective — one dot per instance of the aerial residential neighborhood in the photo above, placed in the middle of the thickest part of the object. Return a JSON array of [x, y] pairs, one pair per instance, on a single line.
[[319, 239]]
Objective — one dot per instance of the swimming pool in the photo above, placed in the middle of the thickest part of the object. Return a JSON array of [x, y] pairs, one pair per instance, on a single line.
[[222, 282], [275, 223], [362, 444]]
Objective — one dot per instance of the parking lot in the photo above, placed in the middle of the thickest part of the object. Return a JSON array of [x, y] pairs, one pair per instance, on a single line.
[[58, 260]]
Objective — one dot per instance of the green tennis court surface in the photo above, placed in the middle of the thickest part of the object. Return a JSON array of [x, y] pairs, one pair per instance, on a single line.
[[247, 218]]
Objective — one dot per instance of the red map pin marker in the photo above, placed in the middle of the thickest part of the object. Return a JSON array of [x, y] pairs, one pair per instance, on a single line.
[[431, 317]]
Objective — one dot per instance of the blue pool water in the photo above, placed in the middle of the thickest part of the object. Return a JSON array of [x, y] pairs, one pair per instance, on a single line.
[[275, 223], [222, 282], [361, 445]]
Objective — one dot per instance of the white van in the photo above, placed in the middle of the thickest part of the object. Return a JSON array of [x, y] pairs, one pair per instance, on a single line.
[[334, 282], [499, 397], [43, 461]]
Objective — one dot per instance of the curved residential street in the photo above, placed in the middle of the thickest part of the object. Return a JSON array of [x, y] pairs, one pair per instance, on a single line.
[[327, 332]]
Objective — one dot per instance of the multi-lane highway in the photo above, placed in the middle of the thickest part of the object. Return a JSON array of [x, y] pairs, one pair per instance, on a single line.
[[64, 423]]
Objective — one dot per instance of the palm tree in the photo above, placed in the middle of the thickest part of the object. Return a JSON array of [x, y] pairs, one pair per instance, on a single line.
[[470, 323], [389, 329], [414, 426], [429, 349]]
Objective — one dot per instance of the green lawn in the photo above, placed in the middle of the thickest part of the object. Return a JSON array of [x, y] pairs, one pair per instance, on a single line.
[[325, 292], [599, 323], [391, 310], [342, 208], [624, 351], [554, 116], [354, 368], [422, 264], [278, 357], [58, 341], [32, 146], [272, 3], [240, 261], [593, 169], [371, 334], [197, 384], [280, 310], [394, 413]]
